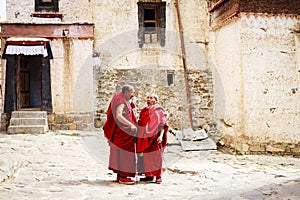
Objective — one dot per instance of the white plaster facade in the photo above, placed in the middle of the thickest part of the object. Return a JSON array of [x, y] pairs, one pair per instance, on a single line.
[[75, 91], [256, 59], [116, 41], [271, 78], [72, 11], [119, 25], [71, 66]]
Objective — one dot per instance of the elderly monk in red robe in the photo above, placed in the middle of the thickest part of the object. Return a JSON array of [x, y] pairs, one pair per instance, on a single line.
[[152, 139], [120, 129]]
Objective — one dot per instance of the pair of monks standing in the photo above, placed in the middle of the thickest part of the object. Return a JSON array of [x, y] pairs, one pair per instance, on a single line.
[[136, 147]]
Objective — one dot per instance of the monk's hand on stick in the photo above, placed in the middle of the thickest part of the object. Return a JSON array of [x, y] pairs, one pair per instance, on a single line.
[[133, 128], [159, 139]]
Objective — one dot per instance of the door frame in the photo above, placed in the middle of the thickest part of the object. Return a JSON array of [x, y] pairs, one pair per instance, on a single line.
[[15, 47], [23, 83]]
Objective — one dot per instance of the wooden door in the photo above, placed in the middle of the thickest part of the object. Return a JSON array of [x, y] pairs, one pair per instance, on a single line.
[[23, 78], [29, 82]]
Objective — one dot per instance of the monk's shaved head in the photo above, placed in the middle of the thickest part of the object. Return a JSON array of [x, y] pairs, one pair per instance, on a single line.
[[127, 88]]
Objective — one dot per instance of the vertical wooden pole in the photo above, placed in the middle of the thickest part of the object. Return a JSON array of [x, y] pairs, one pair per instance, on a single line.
[[187, 90]]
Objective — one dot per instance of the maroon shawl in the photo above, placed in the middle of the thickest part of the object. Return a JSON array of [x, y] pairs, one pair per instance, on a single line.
[[150, 123], [116, 132]]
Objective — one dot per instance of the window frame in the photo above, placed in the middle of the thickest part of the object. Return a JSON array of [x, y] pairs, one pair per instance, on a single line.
[[45, 6], [146, 35], [151, 31]]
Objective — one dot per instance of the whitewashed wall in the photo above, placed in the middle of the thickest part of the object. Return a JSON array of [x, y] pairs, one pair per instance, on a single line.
[[225, 46], [271, 77], [71, 76], [72, 11], [116, 41], [120, 20], [256, 82]]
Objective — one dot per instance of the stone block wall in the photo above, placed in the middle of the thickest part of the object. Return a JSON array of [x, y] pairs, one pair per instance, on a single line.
[[172, 98], [201, 86], [71, 121], [247, 146], [4, 122], [66, 121]]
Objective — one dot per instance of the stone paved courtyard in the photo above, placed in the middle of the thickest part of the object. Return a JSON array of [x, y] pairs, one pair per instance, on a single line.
[[73, 165]]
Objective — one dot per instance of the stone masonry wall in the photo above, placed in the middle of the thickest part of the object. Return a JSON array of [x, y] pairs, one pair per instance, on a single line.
[[246, 146], [3, 122], [172, 98], [71, 121]]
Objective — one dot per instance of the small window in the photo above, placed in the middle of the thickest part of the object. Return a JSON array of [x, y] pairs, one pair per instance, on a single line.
[[170, 78], [46, 5], [152, 23]]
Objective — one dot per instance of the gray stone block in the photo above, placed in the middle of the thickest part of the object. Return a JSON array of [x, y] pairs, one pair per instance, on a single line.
[[34, 129], [29, 114]]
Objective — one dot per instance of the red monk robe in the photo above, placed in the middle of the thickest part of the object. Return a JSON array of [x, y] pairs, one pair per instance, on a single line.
[[120, 137], [150, 123]]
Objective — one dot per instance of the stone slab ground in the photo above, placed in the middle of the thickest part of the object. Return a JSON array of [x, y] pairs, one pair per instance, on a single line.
[[73, 165]]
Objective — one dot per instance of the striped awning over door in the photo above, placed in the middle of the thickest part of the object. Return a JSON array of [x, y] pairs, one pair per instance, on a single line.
[[27, 46]]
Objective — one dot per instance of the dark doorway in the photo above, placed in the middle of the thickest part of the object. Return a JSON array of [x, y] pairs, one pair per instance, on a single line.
[[28, 82], [27, 76]]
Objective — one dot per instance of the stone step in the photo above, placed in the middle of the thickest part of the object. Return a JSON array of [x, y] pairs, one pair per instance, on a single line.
[[33, 129], [28, 121], [29, 114]]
